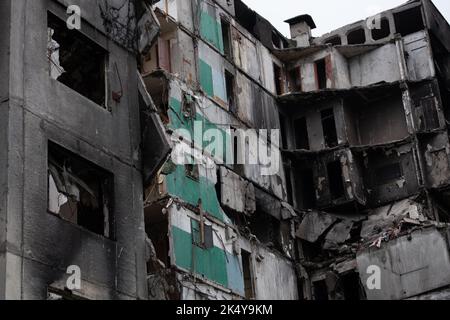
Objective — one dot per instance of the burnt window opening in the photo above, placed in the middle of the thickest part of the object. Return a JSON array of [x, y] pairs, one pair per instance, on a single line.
[[321, 74], [278, 77], [76, 61], [226, 36], [427, 115], [202, 235], [288, 172], [188, 106], [301, 134], [284, 139], [157, 230], [229, 86], [295, 80], [320, 290], [329, 128], [192, 171], [79, 191], [247, 271], [336, 180], [335, 41], [387, 174], [383, 32], [409, 21], [357, 36], [306, 189]]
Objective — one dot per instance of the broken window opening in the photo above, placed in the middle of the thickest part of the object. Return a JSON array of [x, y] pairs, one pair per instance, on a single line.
[[387, 174], [229, 86], [226, 35], [295, 80], [188, 106], [284, 142], [335, 180], [157, 230], [357, 36], [301, 134], [76, 61], [334, 41], [192, 171], [202, 234], [287, 172], [409, 21], [278, 75], [329, 128], [320, 290], [79, 191], [306, 189], [266, 228], [321, 74], [247, 271], [383, 32], [427, 114]]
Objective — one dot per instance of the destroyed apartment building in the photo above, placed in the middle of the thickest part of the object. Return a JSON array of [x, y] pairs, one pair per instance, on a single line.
[[92, 117]]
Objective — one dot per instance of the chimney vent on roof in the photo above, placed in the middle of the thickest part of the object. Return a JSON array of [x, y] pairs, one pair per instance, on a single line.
[[301, 27]]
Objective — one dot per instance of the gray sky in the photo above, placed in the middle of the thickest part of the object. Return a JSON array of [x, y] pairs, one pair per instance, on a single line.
[[328, 14]]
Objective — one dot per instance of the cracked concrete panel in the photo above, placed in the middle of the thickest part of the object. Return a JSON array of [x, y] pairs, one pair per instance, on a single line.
[[410, 266], [314, 225], [338, 234], [236, 193]]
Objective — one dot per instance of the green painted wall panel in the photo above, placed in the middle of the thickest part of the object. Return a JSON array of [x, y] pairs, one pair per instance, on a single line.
[[209, 263], [211, 30], [206, 78]]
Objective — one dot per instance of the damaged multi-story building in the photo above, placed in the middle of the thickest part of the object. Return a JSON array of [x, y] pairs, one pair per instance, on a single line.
[[92, 116]]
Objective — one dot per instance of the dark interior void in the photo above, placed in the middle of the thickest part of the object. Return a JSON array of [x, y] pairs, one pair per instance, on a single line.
[[305, 188], [76, 61], [79, 191], [278, 75], [335, 41], [230, 85], [226, 36], [295, 80], [320, 290], [157, 229], [301, 134], [351, 287], [384, 30], [335, 180], [288, 172], [329, 128], [357, 36], [321, 74], [409, 21], [387, 173], [266, 228], [246, 268]]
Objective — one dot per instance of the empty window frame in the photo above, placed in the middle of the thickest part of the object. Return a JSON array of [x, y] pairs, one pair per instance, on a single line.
[[321, 73], [192, 171], [278, 78], [79, 191], [295, 80], [301, 134], [230, 85], [287, 173], [329, 128], [335, 180], [76, 61], [226, 36], [387, 174], [164, 54], [335, 41], [247, 271], [357, 36], [383, 31], [409, 21]]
